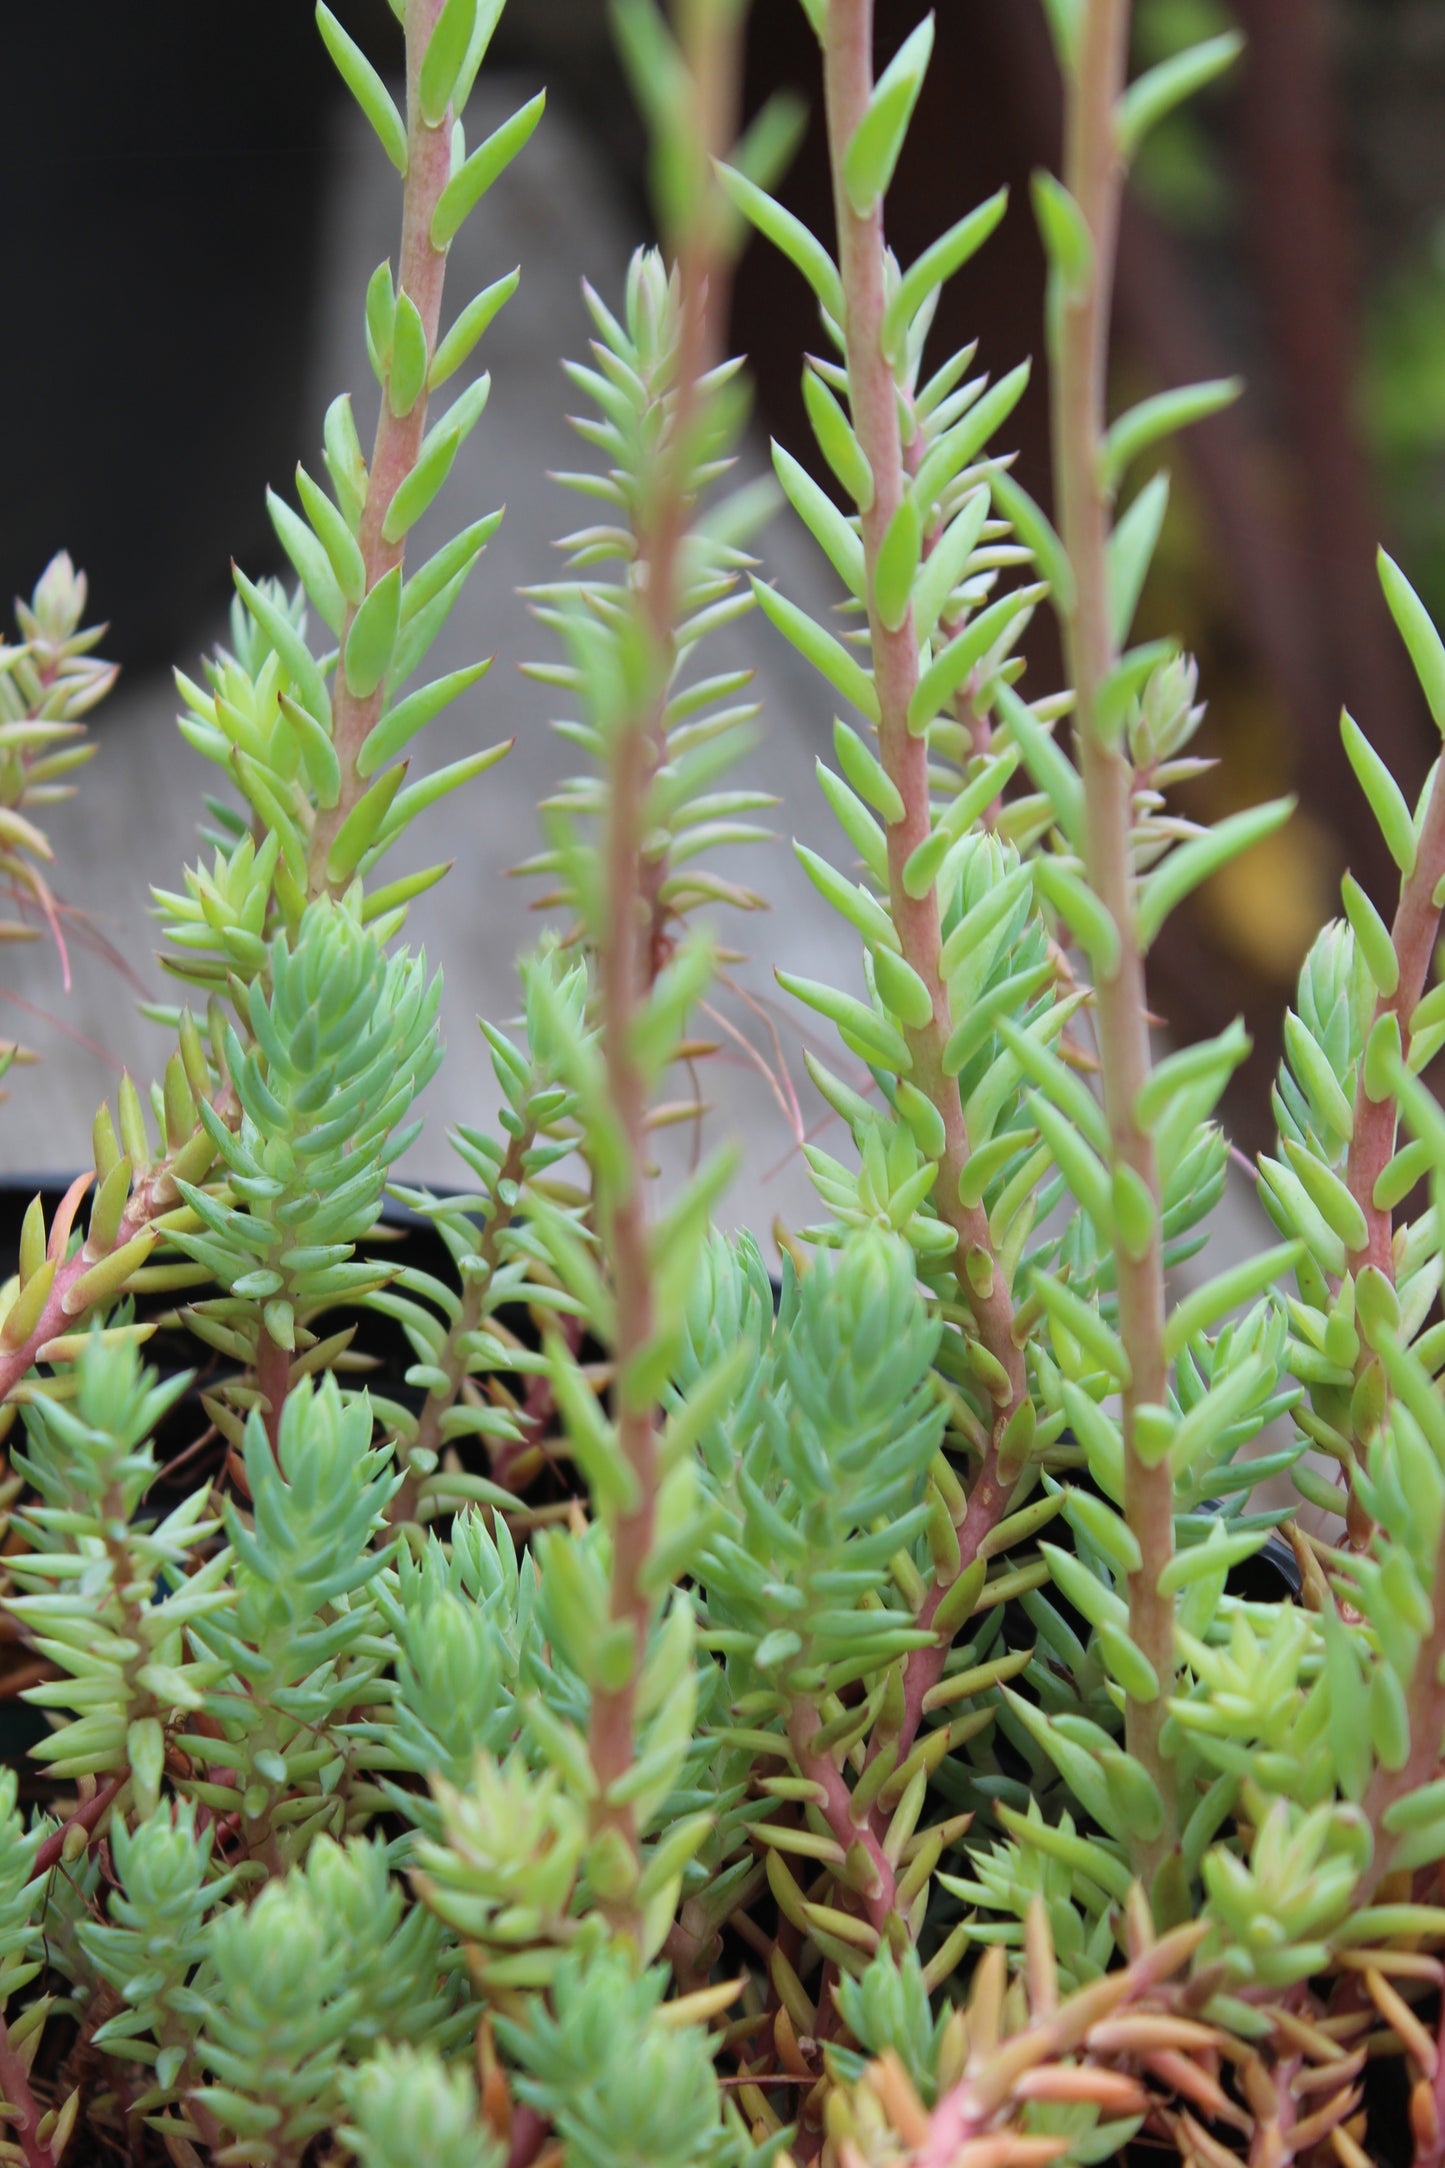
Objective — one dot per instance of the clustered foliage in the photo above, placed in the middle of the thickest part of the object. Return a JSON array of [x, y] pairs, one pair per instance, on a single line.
[[50, 679], [692, 1718]]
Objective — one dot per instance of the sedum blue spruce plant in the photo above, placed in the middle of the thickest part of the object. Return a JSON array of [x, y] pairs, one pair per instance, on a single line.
[[695, 1719]]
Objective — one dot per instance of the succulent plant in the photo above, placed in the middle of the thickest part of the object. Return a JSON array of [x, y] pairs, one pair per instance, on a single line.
[[692, 1718]]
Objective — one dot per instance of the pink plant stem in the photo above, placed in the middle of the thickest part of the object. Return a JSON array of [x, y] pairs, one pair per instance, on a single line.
[[273, 1375], [55, 1319], [713, 52], [987, 1504], [15, 2085], [621, 985], [85, 1817], [1417, 922], [837, 1810], [1093, 173], [630, 952], [155, 1193], [398, 437], [848, 80], [626, 965]]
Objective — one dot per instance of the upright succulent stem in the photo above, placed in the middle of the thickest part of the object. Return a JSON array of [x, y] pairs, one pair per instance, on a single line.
[[622, 986], [394, 454], [1094, 174], [273, 1375], [398, 436], [713, 46], [848, 81], [630, 953], [836, 1807], [659, 539]]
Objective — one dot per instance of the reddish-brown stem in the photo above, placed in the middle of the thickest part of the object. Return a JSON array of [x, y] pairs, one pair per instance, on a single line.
[[273, 1375], [714, 56], [710, 38], [714, 60], [621, 985], [848, 80], [209, 2129], [153, 1195], [1417, 922], [836, 1808], [55, 1319], [987, 1502], [27, 2111], [86, 1817], [1094, 175], [630, 951], [398, 436]]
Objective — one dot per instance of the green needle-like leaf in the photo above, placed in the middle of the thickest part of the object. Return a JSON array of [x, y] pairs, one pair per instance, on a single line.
[[397, 726], [359, 828], [836, 440], [1131, 552], [309, 556], [899, 555], [827, 655], [1190, 863], [371, 641], [1156, 93], [789, 235], [1386, 799], [1049, 766], [838, 541], [1035, 530], [1145, 424], [873, 149], [469, 327], [466, 188], [341, 546], [1227, 1291], [1064, 230], [1418, 632], [946, 673], [938, 263], [365, 85], [441, 65]]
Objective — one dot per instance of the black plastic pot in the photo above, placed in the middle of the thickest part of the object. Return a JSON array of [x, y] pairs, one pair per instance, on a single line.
[[407, 1238]]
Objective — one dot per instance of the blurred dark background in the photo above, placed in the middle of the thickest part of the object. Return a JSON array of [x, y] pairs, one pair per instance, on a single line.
[[163, 173]]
